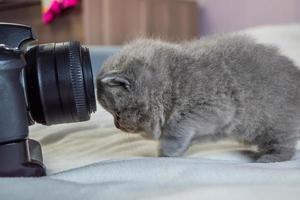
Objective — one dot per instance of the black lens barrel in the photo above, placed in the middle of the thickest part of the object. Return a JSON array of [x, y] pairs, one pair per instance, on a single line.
[[59, 83]]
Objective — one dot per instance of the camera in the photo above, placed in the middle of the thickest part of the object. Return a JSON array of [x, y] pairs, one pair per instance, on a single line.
[[44, 83]]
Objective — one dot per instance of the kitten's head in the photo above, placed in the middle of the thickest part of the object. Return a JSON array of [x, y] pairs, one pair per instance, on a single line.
[[129, 87]]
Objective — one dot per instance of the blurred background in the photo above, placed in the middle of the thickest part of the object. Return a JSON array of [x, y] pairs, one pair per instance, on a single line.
[[113, 22]]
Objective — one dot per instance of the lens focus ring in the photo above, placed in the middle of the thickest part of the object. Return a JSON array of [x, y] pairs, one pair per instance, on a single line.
[[77, 80]]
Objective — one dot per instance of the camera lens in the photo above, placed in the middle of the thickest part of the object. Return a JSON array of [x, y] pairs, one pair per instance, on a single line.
[[59, 83]]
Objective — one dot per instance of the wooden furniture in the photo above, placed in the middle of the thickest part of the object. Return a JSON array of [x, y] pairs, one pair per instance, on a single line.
[[118, 21], [66, 27], [108, 22], [7, 4]]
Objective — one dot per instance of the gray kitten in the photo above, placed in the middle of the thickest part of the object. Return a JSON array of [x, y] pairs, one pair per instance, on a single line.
[[219, 87]]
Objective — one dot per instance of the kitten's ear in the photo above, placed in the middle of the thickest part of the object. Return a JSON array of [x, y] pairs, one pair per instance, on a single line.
[[115, 79]]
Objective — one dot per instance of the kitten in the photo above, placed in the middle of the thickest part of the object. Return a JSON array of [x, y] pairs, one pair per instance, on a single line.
[[225, 86]]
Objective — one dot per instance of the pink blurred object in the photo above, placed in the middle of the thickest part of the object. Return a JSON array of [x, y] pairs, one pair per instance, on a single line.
[[50, 12]]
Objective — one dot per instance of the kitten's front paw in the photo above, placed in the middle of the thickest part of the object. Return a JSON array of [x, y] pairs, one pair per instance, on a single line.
[[171, 148], [162, 153]]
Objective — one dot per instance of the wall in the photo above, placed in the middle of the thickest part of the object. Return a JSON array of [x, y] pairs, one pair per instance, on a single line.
[[229, 15]]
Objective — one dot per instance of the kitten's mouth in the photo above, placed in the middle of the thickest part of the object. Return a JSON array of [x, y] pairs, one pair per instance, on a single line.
[[119, 126], [116, 121]]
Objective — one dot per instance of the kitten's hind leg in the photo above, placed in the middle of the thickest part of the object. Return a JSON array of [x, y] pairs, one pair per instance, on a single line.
[[275, 147]]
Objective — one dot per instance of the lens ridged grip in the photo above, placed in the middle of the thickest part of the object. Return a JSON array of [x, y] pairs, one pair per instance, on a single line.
[[77, 80]]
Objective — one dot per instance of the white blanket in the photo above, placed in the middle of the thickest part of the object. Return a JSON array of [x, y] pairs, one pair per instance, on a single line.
[[93, 160], [162, 178]]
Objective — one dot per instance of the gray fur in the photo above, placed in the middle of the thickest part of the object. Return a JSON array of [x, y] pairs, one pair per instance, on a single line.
[[219, 87]]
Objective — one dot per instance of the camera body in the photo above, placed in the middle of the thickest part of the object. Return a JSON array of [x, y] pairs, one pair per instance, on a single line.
[[49, 84]]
